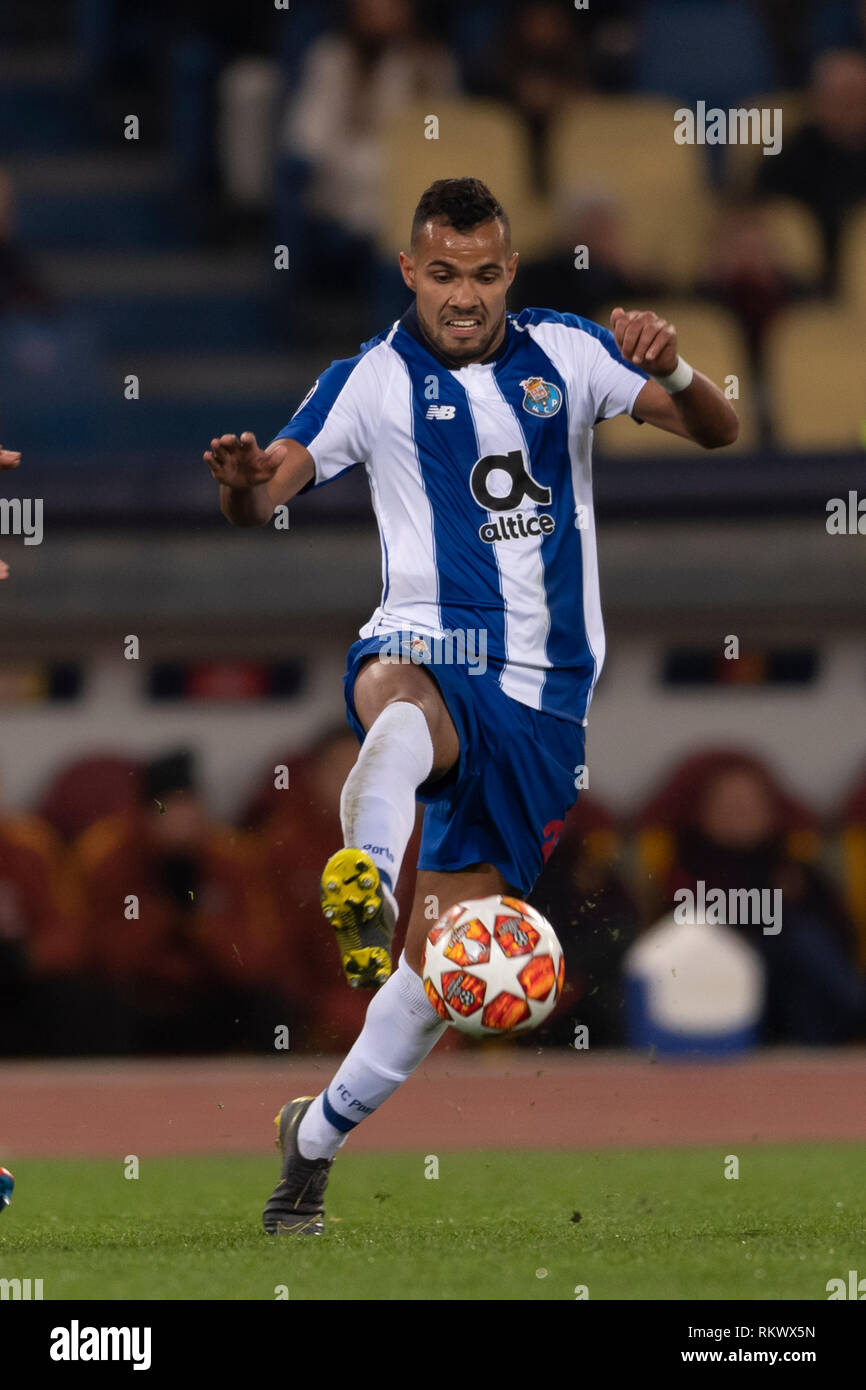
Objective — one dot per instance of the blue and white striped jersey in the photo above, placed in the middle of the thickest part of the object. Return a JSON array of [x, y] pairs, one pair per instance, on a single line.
[[481, 480]]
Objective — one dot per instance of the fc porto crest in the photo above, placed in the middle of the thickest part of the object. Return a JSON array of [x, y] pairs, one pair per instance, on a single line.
[[542, 397]]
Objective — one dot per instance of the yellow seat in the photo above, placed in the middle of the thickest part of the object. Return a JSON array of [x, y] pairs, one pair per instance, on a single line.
[[710, 339], [624, 147], [796, 236], [816, 362], [474, 137], [853, 852], [852, 257]]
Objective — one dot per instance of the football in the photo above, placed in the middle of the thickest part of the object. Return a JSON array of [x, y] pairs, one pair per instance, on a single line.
[[493, 966]]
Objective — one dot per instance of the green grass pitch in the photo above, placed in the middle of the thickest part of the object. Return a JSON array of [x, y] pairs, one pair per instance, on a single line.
[[654, 1224]]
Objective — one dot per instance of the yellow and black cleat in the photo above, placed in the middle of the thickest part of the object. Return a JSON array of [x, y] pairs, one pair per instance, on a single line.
[[354, 904]]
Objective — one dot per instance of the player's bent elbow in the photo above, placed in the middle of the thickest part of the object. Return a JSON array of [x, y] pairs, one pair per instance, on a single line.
[[732, 433], [722, 437]]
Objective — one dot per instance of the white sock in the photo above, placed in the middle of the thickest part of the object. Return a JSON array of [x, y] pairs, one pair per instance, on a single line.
[[400, 1028], [377, 804]]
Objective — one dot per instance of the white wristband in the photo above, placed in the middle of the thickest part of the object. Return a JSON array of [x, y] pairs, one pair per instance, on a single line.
[[678, 379]]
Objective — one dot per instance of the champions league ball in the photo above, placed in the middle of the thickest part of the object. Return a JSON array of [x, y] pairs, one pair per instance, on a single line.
[[493, 966]]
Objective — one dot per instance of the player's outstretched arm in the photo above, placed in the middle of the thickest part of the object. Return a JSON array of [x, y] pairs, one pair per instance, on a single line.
[[698, 411], [254, 481]]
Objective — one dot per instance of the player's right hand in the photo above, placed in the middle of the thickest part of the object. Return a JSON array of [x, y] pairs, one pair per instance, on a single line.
[[240, 463]]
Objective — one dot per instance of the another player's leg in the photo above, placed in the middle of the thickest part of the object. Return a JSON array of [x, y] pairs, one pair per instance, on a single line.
[[409, 738], [400, 1029]]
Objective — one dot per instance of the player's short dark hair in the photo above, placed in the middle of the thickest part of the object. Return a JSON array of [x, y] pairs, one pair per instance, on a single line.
[[460, 203]]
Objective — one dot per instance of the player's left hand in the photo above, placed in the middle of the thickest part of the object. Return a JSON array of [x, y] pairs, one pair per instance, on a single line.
[[646, 340]]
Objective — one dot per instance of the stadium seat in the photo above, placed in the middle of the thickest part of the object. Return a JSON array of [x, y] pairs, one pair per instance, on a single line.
[[852, 258], [88, 789], [796, 237], [703, 51], [710, 339], [852, 845], [816, 359], [483, 138], [623, 147]]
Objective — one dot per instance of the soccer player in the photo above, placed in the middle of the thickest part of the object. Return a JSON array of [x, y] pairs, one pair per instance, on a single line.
[[475, 428]]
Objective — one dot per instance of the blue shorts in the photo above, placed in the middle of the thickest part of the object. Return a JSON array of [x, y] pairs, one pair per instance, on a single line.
[[506, 800]]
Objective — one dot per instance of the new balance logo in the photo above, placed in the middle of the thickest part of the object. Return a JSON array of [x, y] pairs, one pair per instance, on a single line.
[[441, 412]]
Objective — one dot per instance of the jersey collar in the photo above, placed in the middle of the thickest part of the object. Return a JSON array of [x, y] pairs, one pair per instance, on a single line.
[[410, 324]]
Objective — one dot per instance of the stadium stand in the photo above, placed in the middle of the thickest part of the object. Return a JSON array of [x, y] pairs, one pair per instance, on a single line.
[[723, 820], [796, 238], [852, 258], [702, 51], [463, 124], [816, 397], [852, 843], [743, 163], [88, 789], [623, 147]]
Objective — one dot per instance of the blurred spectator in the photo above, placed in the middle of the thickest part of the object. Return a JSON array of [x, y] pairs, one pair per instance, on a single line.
[[40, 939], [815, 991], [801, 31], [611, 275], [582, 894], [21, 285], [353, 82], [38, 900], [613, 39], [45, 348], [180, 923], [543, 68], [744, 273], [87, 789], [824, 163]]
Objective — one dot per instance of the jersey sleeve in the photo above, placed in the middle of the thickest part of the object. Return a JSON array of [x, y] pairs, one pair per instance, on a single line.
[[337, 421], [599, 380], [614, 384]]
